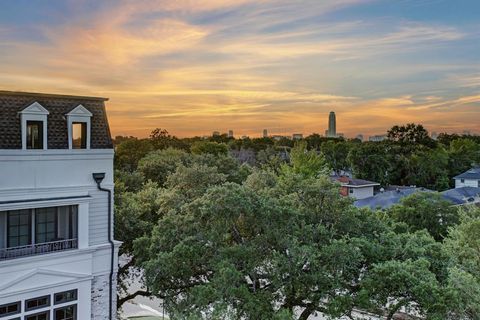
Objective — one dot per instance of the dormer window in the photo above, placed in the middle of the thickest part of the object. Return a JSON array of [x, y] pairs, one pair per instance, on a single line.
[[34, 134], [79, 135], [34, 127], [79, 128]]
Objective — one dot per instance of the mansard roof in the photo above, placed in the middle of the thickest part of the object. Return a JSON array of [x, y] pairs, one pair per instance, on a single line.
[[12, 103]]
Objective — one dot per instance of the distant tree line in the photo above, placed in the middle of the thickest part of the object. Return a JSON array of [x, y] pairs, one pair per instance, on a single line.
[[408, 157], [216, 238]]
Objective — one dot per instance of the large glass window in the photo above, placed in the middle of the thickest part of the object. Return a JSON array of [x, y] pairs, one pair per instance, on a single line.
[[66, 313], [37, 303], [39, 316], [10, 309], [45, 225], [34, 134], [19, 228], [79, 135]]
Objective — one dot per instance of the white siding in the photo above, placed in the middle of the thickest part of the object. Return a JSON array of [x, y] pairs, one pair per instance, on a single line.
[[98, 218], [466, 183], [361, 193]]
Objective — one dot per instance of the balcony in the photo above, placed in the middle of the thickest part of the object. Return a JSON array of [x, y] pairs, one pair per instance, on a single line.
[[37, 249], [38, 231]]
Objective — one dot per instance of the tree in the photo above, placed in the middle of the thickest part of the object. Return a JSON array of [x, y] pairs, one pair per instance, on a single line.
[[410, 134], [306, 163], [429, 169], [370, 161], [201, 147], [336, 153], [463, 247], [426, 210], [157, 165], [161, 139], [129, 152]]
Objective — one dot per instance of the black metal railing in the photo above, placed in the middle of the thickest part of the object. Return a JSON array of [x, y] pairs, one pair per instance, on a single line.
[[38, 248]]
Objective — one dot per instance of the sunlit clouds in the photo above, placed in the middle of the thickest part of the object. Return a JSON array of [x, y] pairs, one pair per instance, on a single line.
[[193, 67]]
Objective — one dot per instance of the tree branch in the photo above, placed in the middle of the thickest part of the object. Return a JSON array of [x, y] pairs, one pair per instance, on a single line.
[[143, 293]]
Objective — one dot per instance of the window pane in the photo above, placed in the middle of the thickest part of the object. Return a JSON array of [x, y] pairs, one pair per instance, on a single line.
[[45, 225], [9, 309], [79, 135], [39, 316], [19, 229], [36, 303], [66, 313], [66, 296], [34, 135]]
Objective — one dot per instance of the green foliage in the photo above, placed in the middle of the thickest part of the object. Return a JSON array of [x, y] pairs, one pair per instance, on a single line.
[[370, 161], [214, 148], [306, 163], [463, 247], [129, 152], [426, 210], [157, 165], [410, 134]]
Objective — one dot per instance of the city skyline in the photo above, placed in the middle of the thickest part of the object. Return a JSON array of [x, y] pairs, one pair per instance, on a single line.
[[192, 67]]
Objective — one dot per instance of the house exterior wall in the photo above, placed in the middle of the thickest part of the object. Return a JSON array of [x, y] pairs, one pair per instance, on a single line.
[[361, 192], [467, 183], [49, 178]]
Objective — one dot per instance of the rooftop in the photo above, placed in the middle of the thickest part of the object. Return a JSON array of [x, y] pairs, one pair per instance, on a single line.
[[385, 200], [473, 173], [462, 195]]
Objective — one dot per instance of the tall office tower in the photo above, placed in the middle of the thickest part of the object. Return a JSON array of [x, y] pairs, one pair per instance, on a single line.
[[265, 133], [230, 133], [332, 125]]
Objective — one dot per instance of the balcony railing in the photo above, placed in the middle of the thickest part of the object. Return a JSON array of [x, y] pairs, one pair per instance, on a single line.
[[37, 249]]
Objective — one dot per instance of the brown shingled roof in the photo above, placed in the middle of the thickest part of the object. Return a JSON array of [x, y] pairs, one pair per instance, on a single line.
[[12, 102]]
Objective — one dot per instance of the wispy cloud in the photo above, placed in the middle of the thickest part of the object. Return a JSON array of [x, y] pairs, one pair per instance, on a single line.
[[193, 66]]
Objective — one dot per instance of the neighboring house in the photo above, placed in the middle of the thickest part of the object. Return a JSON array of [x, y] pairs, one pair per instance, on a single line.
[[58, 260], [386, 199], [470, 178], [462, 195], [356, 188]]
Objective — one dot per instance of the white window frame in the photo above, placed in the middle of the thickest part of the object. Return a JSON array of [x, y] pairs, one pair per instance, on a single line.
[[34, 112], [79, 114]]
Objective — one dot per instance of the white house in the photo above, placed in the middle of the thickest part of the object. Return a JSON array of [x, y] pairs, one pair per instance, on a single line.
[[58, 259], [356, 188], [470, 178]]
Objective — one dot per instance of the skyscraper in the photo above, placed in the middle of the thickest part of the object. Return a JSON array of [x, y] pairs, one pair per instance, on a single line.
[[332, 125], [265, 133], [230, 133]]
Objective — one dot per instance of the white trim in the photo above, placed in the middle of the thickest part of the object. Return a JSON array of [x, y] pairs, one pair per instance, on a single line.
[[361, 186], [26, 204], [79, 114], [77, 276], [56, 154], [34, 112]]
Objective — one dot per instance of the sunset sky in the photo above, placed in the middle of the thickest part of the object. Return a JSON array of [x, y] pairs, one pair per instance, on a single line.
[[195, 66]]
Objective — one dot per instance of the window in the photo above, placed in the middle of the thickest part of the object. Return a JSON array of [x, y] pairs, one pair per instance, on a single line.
[[34, 134], [37, 303], [350, 190], [79, 124], [34, 126], [66, 313], [45, 225], [462, 180], [45, 315], [79, 135], [65, 296], [18, 228], [9, 309]]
